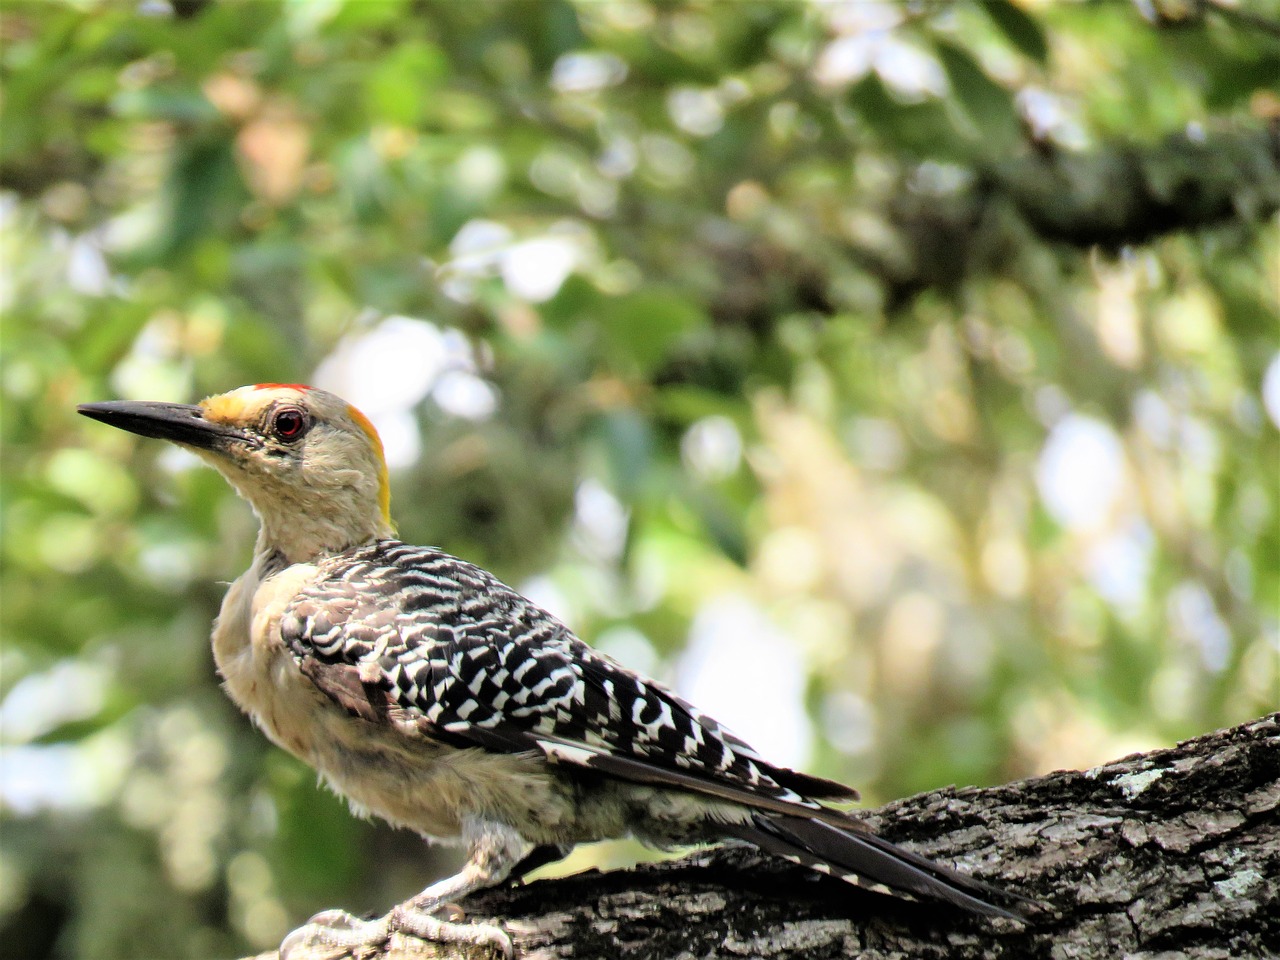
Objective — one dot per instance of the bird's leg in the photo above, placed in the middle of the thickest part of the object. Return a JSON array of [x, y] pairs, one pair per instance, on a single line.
[[494, 850]]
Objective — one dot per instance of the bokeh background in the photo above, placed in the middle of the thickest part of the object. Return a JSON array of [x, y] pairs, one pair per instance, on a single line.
[[900, 382]]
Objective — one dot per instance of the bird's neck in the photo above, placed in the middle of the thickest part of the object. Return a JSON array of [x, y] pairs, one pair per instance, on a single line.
[[305, 533], [312, 545], [303, 523]]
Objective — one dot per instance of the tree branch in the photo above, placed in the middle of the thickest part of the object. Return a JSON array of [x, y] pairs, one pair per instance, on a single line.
[[1124, 194], [1116, 195], [1173, 852]]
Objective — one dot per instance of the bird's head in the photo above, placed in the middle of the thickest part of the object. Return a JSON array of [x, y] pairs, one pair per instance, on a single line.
[[309, 462]]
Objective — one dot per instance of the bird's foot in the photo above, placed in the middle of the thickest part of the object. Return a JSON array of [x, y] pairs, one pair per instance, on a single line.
[[453, 912], [335, 934], [427, 926]]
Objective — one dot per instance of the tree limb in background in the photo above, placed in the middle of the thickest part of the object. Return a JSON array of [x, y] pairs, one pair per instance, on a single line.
[[1173, 851], [1114, 196], [1123, 194]]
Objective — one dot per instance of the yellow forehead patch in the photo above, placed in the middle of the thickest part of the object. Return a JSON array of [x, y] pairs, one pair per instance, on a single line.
[[246, 404], [384, 481], [228, 408]]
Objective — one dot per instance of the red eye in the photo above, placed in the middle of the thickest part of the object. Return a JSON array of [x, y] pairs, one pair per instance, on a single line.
[[289, 423]]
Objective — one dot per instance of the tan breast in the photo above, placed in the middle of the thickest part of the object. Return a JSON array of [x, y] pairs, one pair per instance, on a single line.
[[381, 768], [258, 672]]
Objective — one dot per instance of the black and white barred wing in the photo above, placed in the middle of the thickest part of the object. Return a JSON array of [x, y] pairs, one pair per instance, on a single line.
[[409, 635]]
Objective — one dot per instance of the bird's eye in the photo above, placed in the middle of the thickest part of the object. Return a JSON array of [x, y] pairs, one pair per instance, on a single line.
[[289, 423]]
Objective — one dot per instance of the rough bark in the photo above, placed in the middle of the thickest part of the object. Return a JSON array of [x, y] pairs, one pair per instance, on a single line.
[[1174, 853]]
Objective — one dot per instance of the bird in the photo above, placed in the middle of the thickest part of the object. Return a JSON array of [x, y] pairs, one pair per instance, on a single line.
[[430, 694]]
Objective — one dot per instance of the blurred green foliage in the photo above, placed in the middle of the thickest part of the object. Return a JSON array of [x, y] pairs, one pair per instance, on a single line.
[[943, 337]]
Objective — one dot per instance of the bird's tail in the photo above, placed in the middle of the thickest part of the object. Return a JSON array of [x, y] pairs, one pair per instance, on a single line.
[[868, 861]]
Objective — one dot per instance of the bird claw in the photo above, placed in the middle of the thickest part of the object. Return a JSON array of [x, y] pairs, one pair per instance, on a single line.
[[425, 926], [453, 912], [332, 934], [335, 934]]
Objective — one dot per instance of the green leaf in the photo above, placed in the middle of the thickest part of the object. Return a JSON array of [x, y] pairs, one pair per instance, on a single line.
[[640, 330], [158, 103], [202, 179], [920, 129], [400, 86], [626, 440], [1019, 28], [989, 105]]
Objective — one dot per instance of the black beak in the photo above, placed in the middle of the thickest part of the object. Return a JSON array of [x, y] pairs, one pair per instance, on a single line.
[[178, 422]]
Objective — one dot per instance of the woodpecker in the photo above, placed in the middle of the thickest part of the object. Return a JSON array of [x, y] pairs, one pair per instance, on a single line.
[[432, 695]]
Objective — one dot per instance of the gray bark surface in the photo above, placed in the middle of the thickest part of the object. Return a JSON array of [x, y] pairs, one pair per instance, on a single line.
[[1169, 854]]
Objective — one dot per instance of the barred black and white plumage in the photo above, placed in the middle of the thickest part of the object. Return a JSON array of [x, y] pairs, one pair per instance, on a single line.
[[463, 656], [432, 695]]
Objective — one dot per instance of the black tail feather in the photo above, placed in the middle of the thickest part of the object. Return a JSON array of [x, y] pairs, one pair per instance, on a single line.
[[871, 862], [815, 788]]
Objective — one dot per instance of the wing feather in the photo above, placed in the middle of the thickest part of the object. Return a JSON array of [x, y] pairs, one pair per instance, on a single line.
[[411, 635]]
